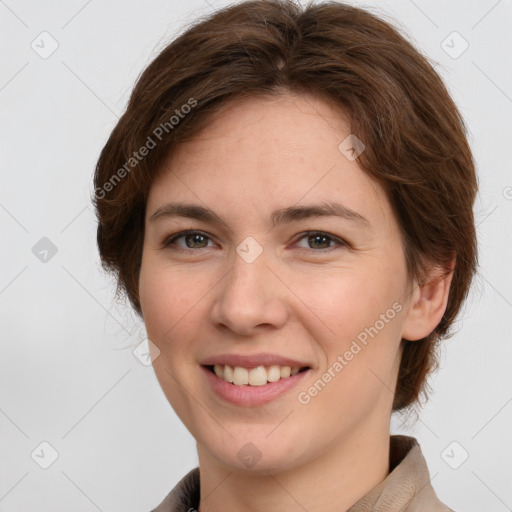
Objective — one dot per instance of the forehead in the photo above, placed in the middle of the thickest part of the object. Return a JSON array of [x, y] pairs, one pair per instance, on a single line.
[[268, 152], [262, 128]]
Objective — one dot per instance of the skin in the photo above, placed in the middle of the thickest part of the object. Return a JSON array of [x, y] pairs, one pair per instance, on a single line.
[[301, 296]]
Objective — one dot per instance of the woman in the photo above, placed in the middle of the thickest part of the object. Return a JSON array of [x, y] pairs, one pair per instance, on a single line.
[[287, 202]]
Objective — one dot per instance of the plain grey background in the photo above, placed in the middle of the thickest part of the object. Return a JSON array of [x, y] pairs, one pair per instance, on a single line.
[[68, 376]]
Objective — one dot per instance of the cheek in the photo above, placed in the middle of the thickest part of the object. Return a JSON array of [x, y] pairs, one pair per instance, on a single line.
[[171, 301], [161, 305], [347, 302], [357, 325]]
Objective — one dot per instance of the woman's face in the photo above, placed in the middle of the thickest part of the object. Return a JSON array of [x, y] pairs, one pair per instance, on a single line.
[[324, 292]]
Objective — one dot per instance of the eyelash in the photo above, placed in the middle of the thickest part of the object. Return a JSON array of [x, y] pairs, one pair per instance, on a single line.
[[169, 241]]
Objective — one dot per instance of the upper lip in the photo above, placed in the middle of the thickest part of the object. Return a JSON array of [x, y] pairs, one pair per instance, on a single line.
[[253, 360]]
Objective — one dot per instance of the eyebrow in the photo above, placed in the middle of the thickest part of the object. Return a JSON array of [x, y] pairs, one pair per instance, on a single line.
[[281, 216]]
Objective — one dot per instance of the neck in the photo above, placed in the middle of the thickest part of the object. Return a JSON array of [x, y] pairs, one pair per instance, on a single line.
[[333, 481]]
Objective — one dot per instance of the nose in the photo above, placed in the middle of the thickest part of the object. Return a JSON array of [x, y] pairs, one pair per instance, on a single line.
[[250, 298]]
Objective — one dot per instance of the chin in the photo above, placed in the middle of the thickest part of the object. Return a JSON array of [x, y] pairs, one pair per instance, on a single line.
[[245, 452]]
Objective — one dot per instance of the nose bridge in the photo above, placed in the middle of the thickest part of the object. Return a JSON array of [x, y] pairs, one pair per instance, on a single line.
[[249, 295], [249, 272]]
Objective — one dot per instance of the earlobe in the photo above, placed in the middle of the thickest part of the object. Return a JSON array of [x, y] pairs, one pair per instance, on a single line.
[[428, 304]]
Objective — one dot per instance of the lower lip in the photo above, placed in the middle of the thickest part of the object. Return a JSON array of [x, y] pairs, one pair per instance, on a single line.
[[252, 395]]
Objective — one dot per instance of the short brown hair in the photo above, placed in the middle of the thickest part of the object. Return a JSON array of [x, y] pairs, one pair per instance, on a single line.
[[415, 137]]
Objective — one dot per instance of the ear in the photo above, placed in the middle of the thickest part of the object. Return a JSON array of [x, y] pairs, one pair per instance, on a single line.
[[428, 303]]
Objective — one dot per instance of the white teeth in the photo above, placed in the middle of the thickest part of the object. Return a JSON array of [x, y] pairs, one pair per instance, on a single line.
[[228, 373], [274, 373], [240, 376], [285, 372], [258, 376]]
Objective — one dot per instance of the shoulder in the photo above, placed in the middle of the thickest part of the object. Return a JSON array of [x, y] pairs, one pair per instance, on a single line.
[[184, 497], [408, 486]]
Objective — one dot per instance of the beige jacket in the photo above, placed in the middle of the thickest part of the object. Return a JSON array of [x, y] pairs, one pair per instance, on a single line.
[[407, 488]]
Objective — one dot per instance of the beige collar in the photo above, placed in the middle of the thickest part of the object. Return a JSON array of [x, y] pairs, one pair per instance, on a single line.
[[407, 488]]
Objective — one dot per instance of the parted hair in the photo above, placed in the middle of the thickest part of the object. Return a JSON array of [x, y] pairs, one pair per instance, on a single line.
[[415, 138]]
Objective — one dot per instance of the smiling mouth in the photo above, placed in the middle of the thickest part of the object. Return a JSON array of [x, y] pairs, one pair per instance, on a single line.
[[258, 376]]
